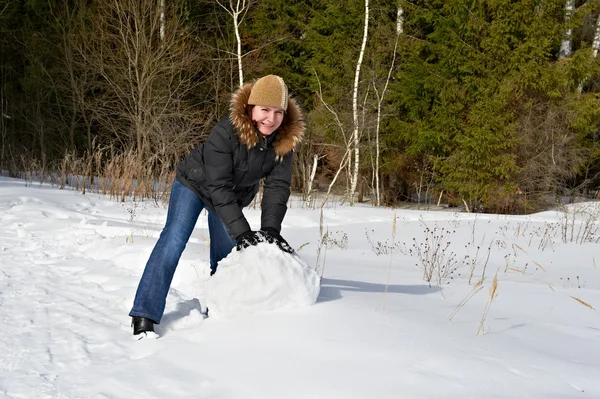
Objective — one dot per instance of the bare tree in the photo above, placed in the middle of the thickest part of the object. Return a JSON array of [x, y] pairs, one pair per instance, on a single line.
[[5, 7], [38, 112], [237, 9], [71, 76], [348, 142], [141, 80], [380, 97], [548, 150], [355, 138]]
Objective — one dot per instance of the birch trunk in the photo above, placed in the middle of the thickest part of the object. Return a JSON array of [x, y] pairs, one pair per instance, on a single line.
[[399, 20], [399, 30], [345, 160], [361, 187], [312, 178], [565, 47], [162, 20], [240, 8], [236, 26], [596, 44], [355, 136]]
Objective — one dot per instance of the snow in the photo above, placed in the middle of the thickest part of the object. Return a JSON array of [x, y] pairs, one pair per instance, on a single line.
[[260, 278], [70, 264]]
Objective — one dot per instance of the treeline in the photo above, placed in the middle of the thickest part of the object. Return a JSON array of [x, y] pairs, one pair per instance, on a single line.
[[490, 104]]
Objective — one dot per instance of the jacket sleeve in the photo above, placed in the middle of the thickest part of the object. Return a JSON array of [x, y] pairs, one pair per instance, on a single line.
[[218, 165], [276, 194]]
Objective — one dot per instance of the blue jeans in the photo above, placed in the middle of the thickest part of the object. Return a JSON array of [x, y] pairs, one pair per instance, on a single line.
[[184, 208]]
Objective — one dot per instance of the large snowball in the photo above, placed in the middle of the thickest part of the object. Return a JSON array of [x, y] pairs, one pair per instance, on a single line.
[[260, 278]]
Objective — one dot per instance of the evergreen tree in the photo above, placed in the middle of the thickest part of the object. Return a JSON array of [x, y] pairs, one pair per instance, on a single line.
[[471, 71]]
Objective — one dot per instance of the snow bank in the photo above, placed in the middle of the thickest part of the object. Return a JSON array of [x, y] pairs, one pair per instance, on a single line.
[[260, 278]]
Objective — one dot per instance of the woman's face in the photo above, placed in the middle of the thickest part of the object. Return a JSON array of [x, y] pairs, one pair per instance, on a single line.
[[268, 119]]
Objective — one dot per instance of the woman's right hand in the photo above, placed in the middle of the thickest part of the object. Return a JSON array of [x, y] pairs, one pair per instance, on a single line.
[[249, 238]]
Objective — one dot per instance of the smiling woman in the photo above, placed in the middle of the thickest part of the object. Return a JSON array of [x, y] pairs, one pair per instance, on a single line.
[[222, 175], [267, 119]]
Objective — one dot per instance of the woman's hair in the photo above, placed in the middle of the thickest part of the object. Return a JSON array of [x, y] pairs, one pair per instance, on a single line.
[[249, 109]]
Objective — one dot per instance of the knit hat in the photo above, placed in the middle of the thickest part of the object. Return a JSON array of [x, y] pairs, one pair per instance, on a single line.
[[271, 91]]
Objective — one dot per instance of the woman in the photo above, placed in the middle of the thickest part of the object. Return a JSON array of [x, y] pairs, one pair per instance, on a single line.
[[222, 175]]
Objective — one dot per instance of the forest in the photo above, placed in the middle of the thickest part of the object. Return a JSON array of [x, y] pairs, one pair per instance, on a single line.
[[493, 106]]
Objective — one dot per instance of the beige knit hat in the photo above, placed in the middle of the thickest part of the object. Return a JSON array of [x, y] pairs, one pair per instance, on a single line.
[[271, 91]]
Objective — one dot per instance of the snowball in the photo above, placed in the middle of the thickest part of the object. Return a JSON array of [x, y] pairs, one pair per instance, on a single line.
[[260, 278]]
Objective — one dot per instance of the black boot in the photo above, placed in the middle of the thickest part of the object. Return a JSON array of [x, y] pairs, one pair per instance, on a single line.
[[141, 325]]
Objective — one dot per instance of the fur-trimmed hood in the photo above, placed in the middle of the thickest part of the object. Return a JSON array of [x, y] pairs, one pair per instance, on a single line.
[[287, 136]]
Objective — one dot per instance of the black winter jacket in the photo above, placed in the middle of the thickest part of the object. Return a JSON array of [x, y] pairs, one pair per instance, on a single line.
[[225, 170]]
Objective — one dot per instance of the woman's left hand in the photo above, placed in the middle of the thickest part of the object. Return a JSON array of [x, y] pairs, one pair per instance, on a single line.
[[272, 236]]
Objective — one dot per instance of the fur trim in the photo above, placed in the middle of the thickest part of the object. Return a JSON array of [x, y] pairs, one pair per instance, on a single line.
[[287, 136]]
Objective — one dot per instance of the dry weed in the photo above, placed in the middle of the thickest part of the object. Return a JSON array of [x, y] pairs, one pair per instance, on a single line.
[[492, 295], [387, 284], [582, 302], [476, 288]]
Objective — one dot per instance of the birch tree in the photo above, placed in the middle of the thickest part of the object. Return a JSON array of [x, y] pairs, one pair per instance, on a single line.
[[596, 43], [162, 20], [355, 138], [565, 47], [237, 9], [380, 97], [311, 179]]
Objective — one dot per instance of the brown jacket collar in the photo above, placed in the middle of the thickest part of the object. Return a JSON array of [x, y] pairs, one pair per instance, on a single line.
[[288, 135]]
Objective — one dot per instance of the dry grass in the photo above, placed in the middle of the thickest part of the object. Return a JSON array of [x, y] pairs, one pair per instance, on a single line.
[[302, 246], [323, 233], [118, 175], [476, 288], [492, 295], [580, 225], [515, 270], [540, 266], [387, 284], [434, 255], [474, 262], [518, 247], [582, 302]]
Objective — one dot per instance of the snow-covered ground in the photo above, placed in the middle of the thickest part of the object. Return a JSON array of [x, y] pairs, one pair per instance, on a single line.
[[70, 264]]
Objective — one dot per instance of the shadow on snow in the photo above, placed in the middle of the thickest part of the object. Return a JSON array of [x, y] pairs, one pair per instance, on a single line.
[[331, 289]]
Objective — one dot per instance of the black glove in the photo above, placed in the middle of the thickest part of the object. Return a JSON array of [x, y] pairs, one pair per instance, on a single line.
[[248, 238], [272, 236]]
